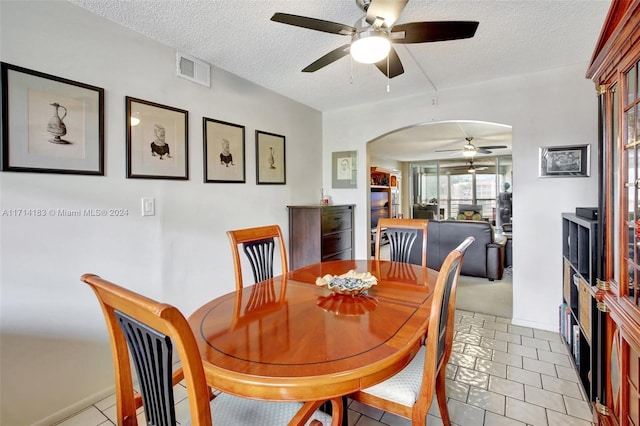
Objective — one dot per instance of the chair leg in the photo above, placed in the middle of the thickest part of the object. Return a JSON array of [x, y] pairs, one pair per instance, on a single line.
[[441, 394]]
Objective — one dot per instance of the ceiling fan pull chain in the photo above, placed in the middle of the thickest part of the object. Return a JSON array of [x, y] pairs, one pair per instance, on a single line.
[[351, 70], [388, 79]]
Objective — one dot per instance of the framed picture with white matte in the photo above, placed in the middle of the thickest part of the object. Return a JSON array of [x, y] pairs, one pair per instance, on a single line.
[[270, 159], [157, 141], [224, 159], [51, 124]]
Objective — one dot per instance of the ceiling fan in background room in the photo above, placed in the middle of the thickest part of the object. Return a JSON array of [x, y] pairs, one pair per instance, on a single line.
[[372, 35], [469, 150]]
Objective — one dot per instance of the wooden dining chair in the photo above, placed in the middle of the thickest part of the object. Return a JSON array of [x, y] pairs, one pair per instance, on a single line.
[[149, 331], [402, 235], [259, 246], [410, 392]]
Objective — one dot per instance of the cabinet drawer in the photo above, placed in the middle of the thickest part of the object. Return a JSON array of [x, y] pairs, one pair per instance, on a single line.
[[343, 255], [584, 304], [334, 220], [336, 242]]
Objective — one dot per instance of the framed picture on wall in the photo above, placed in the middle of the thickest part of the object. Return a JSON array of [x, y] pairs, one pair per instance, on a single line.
[[51, 124], [344, 168], [223, 151], [270, 159], [565, 161], [157, 141]]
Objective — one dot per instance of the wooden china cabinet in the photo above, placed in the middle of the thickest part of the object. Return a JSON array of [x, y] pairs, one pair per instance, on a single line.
[[615, 70]]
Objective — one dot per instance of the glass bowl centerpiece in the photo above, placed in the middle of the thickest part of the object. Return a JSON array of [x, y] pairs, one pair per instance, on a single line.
[[350, 283]]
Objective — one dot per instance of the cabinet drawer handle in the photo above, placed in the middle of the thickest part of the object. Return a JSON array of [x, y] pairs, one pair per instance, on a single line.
[[637, 183]]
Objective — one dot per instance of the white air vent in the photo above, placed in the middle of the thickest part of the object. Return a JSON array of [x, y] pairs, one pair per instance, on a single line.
[[193, 69]]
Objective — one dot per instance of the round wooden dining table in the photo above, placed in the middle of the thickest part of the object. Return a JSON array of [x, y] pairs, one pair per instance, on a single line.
[[289, 339]]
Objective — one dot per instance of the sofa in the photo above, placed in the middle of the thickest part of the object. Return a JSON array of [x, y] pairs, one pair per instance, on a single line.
[[484, 258]]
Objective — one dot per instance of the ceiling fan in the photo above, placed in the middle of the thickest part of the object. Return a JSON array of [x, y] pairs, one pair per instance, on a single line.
[[470, 150], [373, 34]]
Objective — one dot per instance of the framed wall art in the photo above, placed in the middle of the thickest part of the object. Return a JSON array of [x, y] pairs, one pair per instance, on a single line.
[[223, 151], [565, 161], [344, 168], [157, 141], [270, 159], [50, 124]]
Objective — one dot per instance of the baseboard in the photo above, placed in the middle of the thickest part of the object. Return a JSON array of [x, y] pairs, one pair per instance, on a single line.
[[75, 408], [534, 324]]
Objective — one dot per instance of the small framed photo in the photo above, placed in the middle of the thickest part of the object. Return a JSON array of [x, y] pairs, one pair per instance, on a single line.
[[565, 161], [51, 124], [270, 159], [157, 141], [223, 151], [344, 168]]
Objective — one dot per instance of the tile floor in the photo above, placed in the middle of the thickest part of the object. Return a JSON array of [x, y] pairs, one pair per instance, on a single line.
[[499, 375]]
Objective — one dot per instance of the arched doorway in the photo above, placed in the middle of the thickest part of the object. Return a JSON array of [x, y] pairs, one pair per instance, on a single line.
[[432, 163]]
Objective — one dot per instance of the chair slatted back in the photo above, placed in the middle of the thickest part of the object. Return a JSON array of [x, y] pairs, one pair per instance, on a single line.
[[152, 353], [401, 242], [150, 331], [402, 235], [260, 254], [259, 245]]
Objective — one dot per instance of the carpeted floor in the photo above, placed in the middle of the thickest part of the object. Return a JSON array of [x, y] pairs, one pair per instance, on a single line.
[[486, 297], [479, 294]]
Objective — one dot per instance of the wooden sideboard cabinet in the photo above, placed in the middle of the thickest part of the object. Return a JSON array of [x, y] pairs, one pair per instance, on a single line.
[[318, 233]]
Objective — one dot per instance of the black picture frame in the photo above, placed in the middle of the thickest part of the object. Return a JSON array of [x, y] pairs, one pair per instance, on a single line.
[[148, 125], [271, 165], [220, 166], [50, 124], [565, 161]]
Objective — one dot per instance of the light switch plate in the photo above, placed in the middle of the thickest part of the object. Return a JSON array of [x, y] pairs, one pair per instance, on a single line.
[[148, 206]]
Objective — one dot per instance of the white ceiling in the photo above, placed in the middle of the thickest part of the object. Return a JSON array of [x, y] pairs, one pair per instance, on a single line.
[[513, 37]]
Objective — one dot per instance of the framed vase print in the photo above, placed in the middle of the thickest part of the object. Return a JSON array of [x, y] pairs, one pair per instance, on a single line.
[[157, 141], [51, 124], [223, 151], [270, 159]]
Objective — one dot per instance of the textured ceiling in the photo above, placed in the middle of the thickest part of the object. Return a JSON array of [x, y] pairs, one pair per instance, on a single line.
[[514, 37]]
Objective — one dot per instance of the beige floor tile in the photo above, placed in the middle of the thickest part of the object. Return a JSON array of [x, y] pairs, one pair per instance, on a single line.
[[578, 408], [472, 377], [492, 419], [506, 387], [556, 418], [89, 416], [561, 386], [464, 414], [492, 367], [486, 400], [524, 376], [527, 413], [544, 398]]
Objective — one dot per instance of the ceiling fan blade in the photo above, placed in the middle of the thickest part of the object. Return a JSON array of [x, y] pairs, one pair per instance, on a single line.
[[388, 10], [395, 66], [327, 59], [483, 151], [447, 150], [424, 32], [493, 147], [313, 24]]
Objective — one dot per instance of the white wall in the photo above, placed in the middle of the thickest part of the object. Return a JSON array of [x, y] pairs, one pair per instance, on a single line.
[[557, 107], [54, 345]]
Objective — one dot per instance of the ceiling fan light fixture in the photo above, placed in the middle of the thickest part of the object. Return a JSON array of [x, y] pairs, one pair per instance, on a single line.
[[369, 47], [471, 169], [469, 153]]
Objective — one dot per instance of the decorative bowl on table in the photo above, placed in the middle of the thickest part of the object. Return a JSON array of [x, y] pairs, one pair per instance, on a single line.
[[350, 283]]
